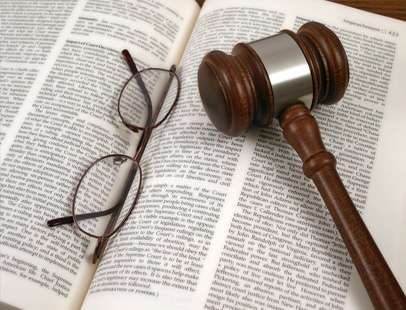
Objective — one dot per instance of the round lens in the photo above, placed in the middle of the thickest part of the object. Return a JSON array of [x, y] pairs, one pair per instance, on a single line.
[[106, 195], [148, 97]]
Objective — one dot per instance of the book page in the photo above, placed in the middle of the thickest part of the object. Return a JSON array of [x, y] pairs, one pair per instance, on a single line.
[[63, 72], [282, 249], [232, 223], [27, 37], [164, 257]]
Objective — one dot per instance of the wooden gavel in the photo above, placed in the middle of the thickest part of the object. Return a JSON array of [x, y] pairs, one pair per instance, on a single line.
[[285, 76]]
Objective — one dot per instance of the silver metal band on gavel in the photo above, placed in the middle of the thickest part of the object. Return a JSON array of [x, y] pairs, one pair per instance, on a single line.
[[288, 70]]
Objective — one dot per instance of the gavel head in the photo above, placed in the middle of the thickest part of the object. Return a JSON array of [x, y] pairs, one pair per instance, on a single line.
[[259, 80]]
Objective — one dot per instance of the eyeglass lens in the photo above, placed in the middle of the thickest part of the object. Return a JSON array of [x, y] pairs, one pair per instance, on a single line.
[[108, 188], [133, 106]]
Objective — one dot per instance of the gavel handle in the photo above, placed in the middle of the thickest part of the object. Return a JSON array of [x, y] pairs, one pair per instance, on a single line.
[[302, 132]]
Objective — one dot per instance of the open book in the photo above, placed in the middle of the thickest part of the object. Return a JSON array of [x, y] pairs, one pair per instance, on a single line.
[[221, 223]]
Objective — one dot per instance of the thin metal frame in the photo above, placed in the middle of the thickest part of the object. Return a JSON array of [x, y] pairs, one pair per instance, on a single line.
[[147, 130]]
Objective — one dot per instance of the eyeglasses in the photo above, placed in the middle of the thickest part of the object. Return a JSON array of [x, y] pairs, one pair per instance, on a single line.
[[109, 188]]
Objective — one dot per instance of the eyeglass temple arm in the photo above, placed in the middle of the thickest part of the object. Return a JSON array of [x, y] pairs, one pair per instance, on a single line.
[[133, 67], [102, 242], [69, 219], [134, 70], [101, 245], [172, 69], [129, 60], [147, 131]]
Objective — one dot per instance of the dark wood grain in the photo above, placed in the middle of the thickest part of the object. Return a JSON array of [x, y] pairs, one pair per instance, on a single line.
[[301, 131], [200, 2], [391, 8], [223, 80], [327, 60]]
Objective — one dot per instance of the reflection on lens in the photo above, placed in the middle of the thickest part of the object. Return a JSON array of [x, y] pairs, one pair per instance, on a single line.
[[106, 194], [148, 97]]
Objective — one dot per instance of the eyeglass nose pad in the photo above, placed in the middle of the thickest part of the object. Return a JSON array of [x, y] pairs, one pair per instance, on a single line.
[[136, 130]]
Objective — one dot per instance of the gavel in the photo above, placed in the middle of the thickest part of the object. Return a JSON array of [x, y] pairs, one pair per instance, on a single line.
[[285, 76]]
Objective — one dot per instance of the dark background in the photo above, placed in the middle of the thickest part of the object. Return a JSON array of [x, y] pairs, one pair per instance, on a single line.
[[391, 8]]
